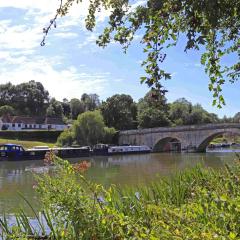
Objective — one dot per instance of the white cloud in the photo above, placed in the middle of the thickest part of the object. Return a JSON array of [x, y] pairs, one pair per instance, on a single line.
[[20, 49], [67, 82], [192, 65], [90, 39]]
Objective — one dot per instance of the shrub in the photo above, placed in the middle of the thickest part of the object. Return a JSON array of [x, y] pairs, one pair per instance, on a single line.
[[65, 138], [41, 135]]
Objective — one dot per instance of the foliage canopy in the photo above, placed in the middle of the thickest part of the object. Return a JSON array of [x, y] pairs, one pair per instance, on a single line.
[[212, 26]]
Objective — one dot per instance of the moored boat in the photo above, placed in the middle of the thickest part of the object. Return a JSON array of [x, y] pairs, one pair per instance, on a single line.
[[13, 152], [128, 149]]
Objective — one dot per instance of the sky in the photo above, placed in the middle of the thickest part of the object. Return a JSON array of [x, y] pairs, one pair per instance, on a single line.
[[71, 64]]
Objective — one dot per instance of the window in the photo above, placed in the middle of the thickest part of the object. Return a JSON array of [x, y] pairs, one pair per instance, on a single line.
[[13, 125], [34, 126], [19, 125], [30, 126], [25, 125]]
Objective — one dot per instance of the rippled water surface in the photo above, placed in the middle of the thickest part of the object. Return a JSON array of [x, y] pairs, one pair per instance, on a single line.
[[17, 177]]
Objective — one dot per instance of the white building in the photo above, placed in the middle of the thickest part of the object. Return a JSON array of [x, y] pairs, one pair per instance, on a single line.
[[19, 123]]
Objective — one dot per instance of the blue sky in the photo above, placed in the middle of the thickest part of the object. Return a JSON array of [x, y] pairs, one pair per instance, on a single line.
[[71, 63]]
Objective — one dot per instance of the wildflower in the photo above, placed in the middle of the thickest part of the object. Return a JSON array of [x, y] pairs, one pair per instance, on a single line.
[[49, 157], [137, 195], [100, 199], [81, 167]]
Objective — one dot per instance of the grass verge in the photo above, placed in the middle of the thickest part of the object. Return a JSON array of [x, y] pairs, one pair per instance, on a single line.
[[26, 144]]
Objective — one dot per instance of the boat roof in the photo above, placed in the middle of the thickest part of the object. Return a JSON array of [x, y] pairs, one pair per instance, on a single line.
[[10, 145]]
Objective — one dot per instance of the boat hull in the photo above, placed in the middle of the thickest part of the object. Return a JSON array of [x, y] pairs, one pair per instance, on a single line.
[[40, 154]]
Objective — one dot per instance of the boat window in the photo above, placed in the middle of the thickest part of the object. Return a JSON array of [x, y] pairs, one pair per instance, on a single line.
[[19, 125], [25, 125], [13, 125]]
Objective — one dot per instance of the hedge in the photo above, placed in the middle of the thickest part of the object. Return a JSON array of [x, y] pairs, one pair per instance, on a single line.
[[42, 135]]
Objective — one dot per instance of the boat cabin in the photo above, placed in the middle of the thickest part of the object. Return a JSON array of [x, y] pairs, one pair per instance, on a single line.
[[9, 150]]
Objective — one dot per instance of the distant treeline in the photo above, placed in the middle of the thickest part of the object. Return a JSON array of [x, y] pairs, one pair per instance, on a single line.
[[119, 111]]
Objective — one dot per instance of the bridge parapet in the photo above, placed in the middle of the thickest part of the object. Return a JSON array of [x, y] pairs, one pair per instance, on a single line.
[[182, 128]]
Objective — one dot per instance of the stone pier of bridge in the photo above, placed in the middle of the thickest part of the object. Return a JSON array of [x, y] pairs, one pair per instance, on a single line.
[[193, 138]]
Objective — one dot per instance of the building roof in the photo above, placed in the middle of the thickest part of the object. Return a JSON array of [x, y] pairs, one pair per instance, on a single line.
[[57, 121], [27, 120], [6, 118]]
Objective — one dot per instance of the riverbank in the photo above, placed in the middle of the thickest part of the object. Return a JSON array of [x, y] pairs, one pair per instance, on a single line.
[[26, 144], [195, 204]]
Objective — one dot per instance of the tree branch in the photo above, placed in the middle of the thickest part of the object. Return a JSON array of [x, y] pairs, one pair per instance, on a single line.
[[52, 23]]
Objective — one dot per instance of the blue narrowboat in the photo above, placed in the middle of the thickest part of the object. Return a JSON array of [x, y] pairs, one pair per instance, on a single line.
[[13, 152]]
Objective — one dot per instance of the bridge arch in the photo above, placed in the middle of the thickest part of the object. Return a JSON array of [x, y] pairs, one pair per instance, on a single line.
[[167, 144], [205, 142]]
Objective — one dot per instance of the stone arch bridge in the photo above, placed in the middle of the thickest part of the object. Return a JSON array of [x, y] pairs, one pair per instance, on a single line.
[[193, 138]]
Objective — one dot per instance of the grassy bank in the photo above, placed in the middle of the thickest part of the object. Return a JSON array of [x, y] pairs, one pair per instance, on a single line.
[[26, 144], [195, 204], [224, 139], [33, 135]]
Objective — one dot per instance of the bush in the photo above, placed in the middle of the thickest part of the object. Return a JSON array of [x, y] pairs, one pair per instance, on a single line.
[[65, 138], [43, 135]]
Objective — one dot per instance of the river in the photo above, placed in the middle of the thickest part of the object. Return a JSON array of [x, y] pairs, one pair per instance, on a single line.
[[130, 170]]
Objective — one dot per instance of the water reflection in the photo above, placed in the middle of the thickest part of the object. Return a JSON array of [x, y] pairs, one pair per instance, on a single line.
[[120, 170]]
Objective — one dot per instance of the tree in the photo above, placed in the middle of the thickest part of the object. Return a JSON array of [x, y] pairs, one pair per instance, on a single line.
[[6, 94], [182, 112], [6, 110], [212, 26], [119, 111], [236, 118], [77, 107], [91, 101], [88, 129], [66, 108], [153, 110], [65, 138], [179, 111], [28, 98], [55, 109]]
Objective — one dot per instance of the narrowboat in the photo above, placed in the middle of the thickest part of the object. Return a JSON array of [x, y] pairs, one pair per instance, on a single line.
[[13, 152], [104, 149], [128, 149], [100, 149]]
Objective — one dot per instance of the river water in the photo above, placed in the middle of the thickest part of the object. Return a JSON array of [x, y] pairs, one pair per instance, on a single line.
[[16, 178]]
